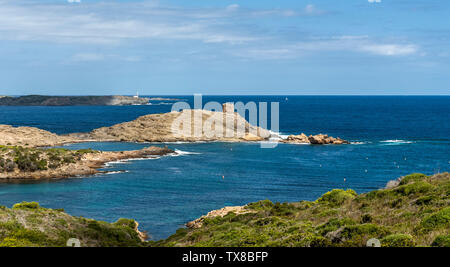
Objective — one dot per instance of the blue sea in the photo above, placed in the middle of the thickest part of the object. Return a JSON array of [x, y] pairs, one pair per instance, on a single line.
[[391, 136]]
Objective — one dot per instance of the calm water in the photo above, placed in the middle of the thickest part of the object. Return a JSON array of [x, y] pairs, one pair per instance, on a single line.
[[394, 136]]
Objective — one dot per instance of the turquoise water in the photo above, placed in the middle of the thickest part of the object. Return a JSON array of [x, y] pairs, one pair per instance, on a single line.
[[392, 136]]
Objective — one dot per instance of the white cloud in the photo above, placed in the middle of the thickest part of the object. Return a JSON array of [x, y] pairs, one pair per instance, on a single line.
[[87, 57], [108, 23], [116, 22], [233, 7], [90, 57], [358, 43], [390, 49], [310, 9]]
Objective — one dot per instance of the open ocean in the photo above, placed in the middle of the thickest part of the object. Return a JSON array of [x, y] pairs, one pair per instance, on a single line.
[[392, 136]]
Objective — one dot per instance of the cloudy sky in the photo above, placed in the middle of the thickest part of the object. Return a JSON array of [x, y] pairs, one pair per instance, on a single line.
[[70, 47]]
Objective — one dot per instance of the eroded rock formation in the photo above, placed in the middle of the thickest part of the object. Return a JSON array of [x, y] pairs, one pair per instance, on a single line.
[[319, 139]]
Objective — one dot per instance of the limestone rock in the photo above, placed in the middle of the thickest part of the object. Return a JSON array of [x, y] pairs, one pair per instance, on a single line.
[[181, 126], [30, 137], [319, 139]]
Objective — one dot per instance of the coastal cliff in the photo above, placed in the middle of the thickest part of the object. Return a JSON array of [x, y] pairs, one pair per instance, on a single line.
[[412, 211], [18, 163], [41, 100]]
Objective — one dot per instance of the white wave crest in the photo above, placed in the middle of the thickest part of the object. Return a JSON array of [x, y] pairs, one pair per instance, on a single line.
[[359, 143], [397, 141], [124, 161], [183, 153]]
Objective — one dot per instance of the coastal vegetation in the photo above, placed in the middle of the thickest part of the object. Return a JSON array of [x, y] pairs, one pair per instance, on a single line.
[[29, 225], [17, 162], [413, 212], [25, 159]]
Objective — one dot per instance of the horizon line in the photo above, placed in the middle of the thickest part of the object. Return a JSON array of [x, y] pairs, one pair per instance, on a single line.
[[159, 95]]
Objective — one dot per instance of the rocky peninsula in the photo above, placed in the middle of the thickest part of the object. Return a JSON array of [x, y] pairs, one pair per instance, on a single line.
[[160, 128], [42, 100], [19, 163], [165, 127]]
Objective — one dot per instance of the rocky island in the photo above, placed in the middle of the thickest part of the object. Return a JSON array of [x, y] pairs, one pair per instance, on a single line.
[[319, 139], [42, 100]]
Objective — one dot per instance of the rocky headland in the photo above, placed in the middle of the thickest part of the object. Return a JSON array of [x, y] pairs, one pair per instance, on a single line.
[[160, 128], [412, 212], [166, 127], [42, 100], [27, 224], [18, 163]]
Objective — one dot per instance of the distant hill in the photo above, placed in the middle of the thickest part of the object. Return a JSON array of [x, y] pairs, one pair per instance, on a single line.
[[41, 100]]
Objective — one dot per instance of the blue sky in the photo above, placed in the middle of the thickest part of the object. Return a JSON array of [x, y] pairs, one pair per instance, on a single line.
[[358, 47]]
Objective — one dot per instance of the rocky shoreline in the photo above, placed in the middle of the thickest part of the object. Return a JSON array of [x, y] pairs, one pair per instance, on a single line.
[[319, 139], [160, 128], [17, 163]]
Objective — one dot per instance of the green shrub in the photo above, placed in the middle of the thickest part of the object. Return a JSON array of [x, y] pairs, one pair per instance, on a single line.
[[337, 196], [282, 209], [415, 177], [437, 220], [441, 241], [333, 224], [14, 242], [10, 166], [317, 241], [26, 205], [33, 236], [126, 222], [261, 205], [414, 188], [398, 240], [425, 200], [86, 151], [366, 218], [366, 230]]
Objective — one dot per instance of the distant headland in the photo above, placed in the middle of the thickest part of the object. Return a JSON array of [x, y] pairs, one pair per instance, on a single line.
[[42, 100]]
